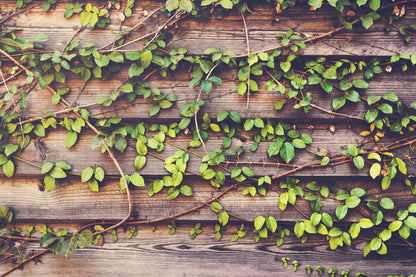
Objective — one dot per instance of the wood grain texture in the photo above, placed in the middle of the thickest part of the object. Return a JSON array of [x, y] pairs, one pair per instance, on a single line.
[[53, 148], [159, 254], [226, 33], [222, 97], [73, 201]]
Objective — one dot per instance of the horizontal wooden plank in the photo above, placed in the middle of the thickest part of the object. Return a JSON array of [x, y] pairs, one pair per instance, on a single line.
[[222, 97], [159, 254], [73, 201], [53, 148], [226, 33]]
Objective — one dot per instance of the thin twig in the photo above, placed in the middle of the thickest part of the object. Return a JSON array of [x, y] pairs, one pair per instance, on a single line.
[[330, 33], [317, 107], [132, 29], [15, 107], [248, 55], [24, 262], [116, 163], [196, 112], [12, 76], [72, 38], [171, 217], [19, 238]]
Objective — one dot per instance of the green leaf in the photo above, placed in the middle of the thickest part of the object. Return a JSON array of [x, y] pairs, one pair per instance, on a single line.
[[358, 162], [374, 4], [146, 58], [327, 220], [173, 193], [341, 211], [235, 116], [93, 184], [87, 174], [330, 73], [358, 83], [206, 86], [137, 180], [316, 4], [247, 171], [359, 192], [271, 224], [386, 108], [248, 124], [46, 167], [395, 225], [387, 203], [354, 230], [385, 182], [401, 165], [352, 150], [222, 115], [287, 152], [298, 143], [47, 239], [352, 201], [99, 174], [366, 223], [338, 102], [154, 109], [235, 172], [374, 156], [242, 88], [216, 207], [49, 183], [223, 218], [140, 162], [141, 147], [366, 21], [208, 174], [71, 139], [259, 222], [285, 66], [375, 170], [85, 239], [226, 4], [186, 190], [410, 222], [57, 173], [63, 165]]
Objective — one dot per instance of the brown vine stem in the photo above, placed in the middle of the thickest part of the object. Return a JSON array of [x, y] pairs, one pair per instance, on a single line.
[[302, 213], [116, 163], [171, 20], [24, 262], [19, 238], [196, 112], [132, 28], [15, 107], [110, 153], [248, 54], [171, 217], [330, 33], [12, 76], [318, 163], [317, 107]]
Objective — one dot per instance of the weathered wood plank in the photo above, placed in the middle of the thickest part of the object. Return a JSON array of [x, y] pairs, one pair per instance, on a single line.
[[53, 148], [159, 254], [222, 97], [73, 201], [224, 34]]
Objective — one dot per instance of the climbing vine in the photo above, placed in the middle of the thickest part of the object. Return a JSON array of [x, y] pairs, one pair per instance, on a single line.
[[282, 70]]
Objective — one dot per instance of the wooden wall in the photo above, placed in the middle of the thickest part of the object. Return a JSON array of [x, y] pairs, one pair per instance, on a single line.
[[72, 203]]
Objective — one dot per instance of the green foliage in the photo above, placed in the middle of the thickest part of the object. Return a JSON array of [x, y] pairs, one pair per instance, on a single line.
[[291, 76]]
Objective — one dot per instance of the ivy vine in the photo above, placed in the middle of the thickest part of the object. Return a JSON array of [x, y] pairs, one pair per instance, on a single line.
[[288, 74]]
